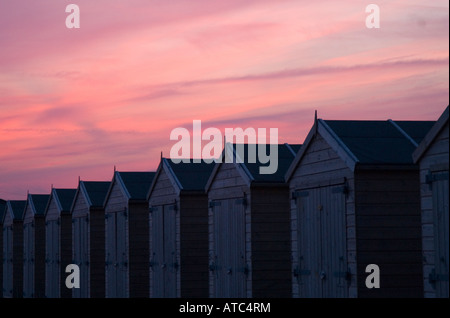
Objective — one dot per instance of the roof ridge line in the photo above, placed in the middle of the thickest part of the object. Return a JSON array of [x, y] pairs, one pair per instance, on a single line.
[[415, 144]]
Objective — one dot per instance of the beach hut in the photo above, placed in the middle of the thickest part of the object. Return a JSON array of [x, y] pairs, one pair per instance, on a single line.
[[34, 246], [179, 230], [58, 242], [354, 202], [2, 260], [249, 239], [432, 156], [127, 236], [88, 238], [13, 249]]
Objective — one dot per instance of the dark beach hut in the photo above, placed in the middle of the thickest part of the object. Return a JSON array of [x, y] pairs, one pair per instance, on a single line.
[[2, 211], [432, 156], [127, 236], [88, 238], [355, 201], [179, 230], [58, 242], [34, 246], [249, 237], [13, 249]]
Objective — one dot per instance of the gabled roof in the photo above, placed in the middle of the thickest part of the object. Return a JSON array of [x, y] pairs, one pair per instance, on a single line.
[[38, 203], [367, 142], [63, 198], [431, 136], [2, 210], [16, 209], [251, 170], [95, 191], [184, 176], [135, 185]]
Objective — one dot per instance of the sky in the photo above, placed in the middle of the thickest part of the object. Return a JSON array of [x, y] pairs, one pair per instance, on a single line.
[[75, 103]]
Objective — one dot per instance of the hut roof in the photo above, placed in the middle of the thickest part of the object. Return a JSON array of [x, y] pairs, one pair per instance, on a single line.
[[95, 191], [191, 176], [16, 208], [64, 199], [380, 142], [251, 169], [432, 134], [135, 184], [368, 142], [38, 203]]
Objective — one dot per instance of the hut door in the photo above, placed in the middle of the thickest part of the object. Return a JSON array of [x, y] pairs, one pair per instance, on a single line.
[[84, 259], [111, 247], [28, 261], [8, 266], [116, 255], [52, 259], [122, 255], [76, 292], [322, 269], [439, 276], [229, 249], [163, 260]]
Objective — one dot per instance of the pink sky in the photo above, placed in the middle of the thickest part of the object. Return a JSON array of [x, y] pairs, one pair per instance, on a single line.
[[77, 102]]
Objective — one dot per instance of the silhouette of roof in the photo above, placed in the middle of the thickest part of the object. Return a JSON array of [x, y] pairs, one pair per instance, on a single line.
[[191, 176], [380, 142], [64, 198], [431, 135], [95, 191], [286, 154], [17, 208], [38, 203], [136, 183]]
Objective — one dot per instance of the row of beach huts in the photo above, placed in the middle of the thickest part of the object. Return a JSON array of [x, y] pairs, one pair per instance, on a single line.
[[354, 193]]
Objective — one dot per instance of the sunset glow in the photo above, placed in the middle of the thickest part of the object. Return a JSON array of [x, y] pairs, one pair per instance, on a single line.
[[77, 102]]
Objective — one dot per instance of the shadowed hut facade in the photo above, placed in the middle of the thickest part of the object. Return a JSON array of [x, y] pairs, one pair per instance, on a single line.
[[179, 230], [13, 249], [88, 238], [249, 240], [354, 202], [58, 242], [432, 156], [127, 235], [34, 246]]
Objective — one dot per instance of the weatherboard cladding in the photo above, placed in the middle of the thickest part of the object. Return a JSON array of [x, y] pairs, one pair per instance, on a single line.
[[433, 156], [34, 246], [179, 230], [248, 223], [380, 209], [88, 238], [13, 249], [58, 241], [127, 256]]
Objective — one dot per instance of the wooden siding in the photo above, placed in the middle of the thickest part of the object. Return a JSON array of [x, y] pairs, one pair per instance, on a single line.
[[96, 253], [138, 249], [270, 242], [436, 155], [8, 254], [3, 260], [126, 246], [322, 167], [193, 246], [227, 184], [117, 203], [389, 231]]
